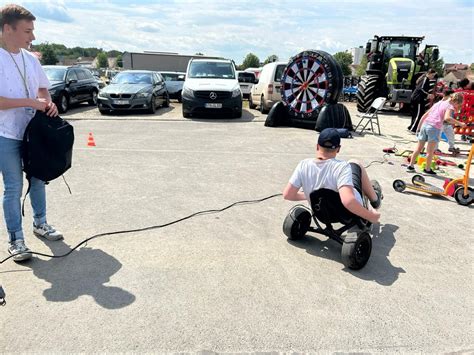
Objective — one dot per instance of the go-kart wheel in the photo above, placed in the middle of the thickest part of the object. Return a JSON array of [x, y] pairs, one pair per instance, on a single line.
[[310, 80], [417, 179], [462, 199], [399, 185], [297, 222], [356, 250]]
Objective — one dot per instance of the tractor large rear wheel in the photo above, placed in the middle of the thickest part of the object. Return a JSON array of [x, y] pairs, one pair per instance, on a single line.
[[367, 92]]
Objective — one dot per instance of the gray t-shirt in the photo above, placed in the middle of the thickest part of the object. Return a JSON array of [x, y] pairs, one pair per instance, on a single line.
[[314, 174]]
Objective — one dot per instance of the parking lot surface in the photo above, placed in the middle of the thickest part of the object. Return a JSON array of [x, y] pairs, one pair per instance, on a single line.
[[230, 281]]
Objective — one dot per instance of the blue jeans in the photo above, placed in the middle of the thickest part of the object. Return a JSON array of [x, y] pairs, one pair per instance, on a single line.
[[11, 169]]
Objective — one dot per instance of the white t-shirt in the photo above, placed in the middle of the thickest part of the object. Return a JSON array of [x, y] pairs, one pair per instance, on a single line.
[[314, 174], [13, 122]]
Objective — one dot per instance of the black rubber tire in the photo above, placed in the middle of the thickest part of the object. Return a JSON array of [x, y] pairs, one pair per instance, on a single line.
[[166, 103], [367, 92], [263, 109], [180, 98], [334, 116], [399, 185], [152, 108], [63, 103], [356, 250], [310, 80], [278, 115], [251, 104], [417, 179], [93, 100], [186, 115], [104, 112], [297, 222], [463, 199]]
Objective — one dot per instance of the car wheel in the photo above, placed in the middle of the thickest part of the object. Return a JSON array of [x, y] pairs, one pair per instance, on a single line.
[[63, 103], [152, 108], [180, 99], [104, 112], [263, 109], [166, 102], [93, 100], [251, 104]]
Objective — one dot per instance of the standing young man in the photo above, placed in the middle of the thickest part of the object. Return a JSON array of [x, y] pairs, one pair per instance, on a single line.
[[23, 90]]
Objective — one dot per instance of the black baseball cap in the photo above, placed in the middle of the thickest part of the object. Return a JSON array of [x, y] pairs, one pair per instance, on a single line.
[[329, 138]]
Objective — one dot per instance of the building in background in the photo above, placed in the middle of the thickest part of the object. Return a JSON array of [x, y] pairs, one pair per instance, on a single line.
[[159, 61], [357, 54]]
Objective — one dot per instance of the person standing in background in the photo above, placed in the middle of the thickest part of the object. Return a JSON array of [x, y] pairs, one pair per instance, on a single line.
[[419, 97]]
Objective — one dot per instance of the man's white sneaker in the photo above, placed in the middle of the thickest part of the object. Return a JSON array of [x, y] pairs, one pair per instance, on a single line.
[[19, 250], [47, 231]]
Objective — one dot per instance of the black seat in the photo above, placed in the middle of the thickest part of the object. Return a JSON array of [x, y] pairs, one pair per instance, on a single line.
[[328, 208]]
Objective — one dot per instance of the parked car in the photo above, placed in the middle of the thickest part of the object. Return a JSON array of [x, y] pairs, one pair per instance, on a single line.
[[134, 90], [256, 71], [174, 83], [246, 80], [70, 85], [267, 91], [211, 86]]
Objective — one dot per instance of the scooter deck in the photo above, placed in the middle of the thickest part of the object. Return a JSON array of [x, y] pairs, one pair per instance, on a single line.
[[425, 187]]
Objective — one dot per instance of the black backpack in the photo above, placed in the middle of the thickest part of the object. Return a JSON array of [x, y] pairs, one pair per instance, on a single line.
[[47, 148]]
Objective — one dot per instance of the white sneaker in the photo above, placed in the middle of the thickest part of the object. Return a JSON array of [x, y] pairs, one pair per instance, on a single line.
[[19, 250], [47, 231]]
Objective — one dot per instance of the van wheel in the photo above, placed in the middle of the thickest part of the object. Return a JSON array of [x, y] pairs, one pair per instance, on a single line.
[[251, 104], [262, 106]]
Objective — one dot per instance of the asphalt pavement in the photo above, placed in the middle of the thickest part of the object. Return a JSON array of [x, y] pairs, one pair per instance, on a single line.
[[230, 281]]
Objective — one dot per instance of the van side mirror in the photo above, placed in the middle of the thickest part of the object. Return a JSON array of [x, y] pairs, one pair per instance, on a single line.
[[181, 78], [367, 47]]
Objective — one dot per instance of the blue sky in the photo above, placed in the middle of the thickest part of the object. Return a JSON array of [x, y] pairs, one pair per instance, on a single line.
[[233, 29]]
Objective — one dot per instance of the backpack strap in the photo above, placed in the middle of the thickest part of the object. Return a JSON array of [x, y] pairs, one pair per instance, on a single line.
[[26, 194]]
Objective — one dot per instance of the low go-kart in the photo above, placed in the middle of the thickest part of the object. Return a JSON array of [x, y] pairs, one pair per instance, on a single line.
[[327, 208]]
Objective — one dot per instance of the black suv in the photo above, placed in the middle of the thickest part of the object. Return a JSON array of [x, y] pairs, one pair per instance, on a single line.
[[70, 85]]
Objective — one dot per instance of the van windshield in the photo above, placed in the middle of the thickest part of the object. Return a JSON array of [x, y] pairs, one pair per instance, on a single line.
[[215, 70]]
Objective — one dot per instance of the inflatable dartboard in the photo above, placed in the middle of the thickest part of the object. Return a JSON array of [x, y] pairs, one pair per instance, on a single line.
[[310, 80]]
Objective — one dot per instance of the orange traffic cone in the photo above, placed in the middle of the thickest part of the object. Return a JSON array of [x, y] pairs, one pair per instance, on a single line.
[[90, 141]]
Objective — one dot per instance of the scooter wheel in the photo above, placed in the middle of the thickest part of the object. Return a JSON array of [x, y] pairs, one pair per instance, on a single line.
[[356, 251], [399, 186], [417, 179], [297, 222], [464, 200]]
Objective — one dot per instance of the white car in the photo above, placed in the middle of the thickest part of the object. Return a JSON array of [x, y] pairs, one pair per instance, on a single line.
[[266, 91], [211, 86], [246, 81]]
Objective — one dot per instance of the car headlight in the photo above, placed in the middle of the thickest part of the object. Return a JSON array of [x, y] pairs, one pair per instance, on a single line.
[[102, 95], [187, 92], [236, 92], [52, 92], [143, 95]]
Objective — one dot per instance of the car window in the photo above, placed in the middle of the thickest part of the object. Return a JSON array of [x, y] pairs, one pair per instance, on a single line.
[[159, 78], [55, 74], [217, 70], [71, 75], [246, 77], [170, 76], [80, 74], [279, 72], [87, 73]]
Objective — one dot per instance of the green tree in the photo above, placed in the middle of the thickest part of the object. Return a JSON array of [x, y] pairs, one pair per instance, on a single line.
[[119, 61], [437, 65], [345, 60], [272, 58], [362, 66], [48, 55], [102, 60], [250, 61]]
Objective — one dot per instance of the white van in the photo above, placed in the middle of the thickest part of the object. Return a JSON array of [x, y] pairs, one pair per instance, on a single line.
[[267, 90], [211, 86]]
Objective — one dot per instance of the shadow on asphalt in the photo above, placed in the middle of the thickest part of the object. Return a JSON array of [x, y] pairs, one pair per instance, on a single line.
[[247, 116], [379, 268], [82, 273]]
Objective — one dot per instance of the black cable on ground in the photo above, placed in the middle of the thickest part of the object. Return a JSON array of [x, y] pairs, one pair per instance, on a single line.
[[146, 228]]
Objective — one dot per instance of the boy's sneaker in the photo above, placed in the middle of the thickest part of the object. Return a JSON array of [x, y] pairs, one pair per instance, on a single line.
[[47, 231], [410, 168], [378, 190], [454, 150], [19, 250], [429, 172]]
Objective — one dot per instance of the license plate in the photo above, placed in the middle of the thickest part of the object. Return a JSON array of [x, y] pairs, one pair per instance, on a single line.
[[213, 105], [121, 102]]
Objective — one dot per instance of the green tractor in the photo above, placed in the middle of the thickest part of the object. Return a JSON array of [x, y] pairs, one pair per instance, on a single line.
[[394, 64]]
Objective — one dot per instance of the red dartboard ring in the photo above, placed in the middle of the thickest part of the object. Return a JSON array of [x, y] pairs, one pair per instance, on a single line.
[[310, 80]]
